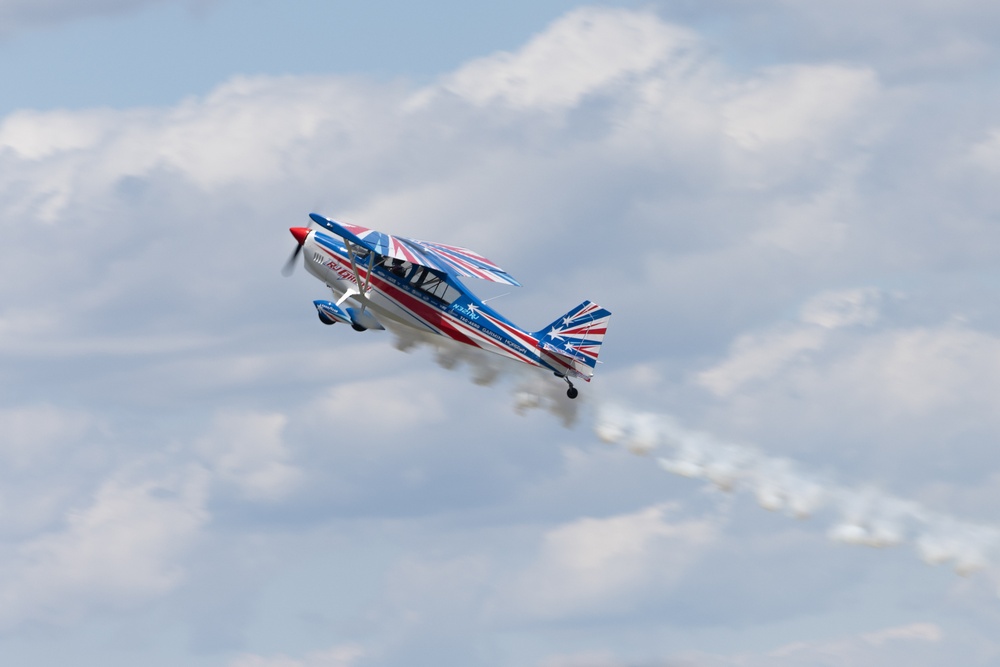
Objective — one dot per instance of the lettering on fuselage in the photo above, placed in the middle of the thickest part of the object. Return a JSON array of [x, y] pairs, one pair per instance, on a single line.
[[469, 316], [342, 272], [467, 313]]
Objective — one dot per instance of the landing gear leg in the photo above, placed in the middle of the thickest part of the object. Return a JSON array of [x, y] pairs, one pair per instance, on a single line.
[[572, 392]]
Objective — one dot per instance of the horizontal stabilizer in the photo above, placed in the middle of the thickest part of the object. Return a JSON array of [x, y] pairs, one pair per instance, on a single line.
[[563, 349]]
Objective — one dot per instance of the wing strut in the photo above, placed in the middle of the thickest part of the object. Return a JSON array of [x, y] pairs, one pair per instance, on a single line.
[[363, 288]]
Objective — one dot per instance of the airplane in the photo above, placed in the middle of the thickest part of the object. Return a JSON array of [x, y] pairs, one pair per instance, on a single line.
[[412, 288]]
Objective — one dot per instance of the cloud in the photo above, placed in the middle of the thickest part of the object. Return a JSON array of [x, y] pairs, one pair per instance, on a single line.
[[794, 106], [582, 660], [145, 179], [340, 656], [864, 515], [603, 566], [854, 363], [929, 38], [836, 309], [113, 553], [585, 51], [246, 131], [46, 452], [926, 385], [761, 356], [924, 644], [916, 644], [783, 246], [246, 450], [757, 357], [32, 434], [401, 404]]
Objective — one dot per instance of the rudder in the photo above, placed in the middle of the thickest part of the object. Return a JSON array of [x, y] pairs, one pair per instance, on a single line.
[[577, 335]]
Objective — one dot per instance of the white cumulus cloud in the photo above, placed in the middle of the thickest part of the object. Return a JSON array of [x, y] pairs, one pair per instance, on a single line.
[[596, 565], [118, 551]]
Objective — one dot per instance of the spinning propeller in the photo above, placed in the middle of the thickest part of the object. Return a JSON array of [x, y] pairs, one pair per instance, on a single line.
[[300, 234]]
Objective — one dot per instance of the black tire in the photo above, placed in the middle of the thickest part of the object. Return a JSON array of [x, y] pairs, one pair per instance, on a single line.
[[572, 392], [358, 327], [324, 319]]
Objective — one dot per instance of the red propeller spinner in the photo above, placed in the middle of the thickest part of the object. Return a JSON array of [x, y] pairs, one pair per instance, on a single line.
[[300, 234]]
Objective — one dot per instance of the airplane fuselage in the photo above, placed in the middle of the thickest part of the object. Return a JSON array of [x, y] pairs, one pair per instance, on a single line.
[[408, 298]]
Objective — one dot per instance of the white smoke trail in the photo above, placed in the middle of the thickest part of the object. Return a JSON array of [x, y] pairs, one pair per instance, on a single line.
[[533, 390], [866, 516]]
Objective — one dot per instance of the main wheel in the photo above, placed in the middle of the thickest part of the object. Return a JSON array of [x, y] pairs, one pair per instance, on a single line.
[[572, 392], [324, 319], [358, 327]]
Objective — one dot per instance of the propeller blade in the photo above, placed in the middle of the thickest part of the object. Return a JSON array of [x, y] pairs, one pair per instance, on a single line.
[[289, 267], [300, 234]]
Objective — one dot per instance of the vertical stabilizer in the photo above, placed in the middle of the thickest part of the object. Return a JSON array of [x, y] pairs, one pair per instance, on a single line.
[[575, 338]]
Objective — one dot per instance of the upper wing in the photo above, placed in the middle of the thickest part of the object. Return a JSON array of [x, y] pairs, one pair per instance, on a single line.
[[447, 258], [463, 262], [383, 244]]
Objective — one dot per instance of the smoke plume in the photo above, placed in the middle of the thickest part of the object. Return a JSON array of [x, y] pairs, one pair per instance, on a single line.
[[865, 515]]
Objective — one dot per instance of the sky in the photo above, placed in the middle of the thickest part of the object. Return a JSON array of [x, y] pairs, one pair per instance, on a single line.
[[788, 456]]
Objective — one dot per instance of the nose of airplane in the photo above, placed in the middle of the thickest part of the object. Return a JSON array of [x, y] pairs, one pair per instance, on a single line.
[[300, 233]]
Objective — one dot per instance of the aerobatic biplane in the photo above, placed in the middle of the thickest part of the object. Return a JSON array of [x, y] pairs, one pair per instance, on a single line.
[[381, 281]]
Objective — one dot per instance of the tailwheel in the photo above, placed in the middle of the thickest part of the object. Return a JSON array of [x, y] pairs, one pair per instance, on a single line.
[[572, 392]]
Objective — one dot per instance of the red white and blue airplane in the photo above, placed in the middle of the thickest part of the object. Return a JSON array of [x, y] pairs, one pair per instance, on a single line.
[[411, 287]]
